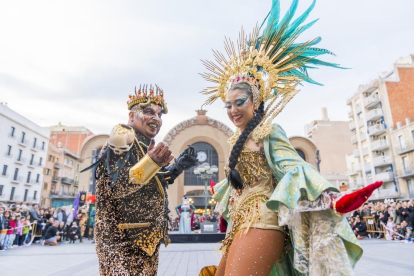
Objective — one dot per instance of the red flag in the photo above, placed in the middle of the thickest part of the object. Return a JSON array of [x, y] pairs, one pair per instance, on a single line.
[[212, 184]]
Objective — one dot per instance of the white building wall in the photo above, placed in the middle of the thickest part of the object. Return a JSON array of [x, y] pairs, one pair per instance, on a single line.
[[25, 155]]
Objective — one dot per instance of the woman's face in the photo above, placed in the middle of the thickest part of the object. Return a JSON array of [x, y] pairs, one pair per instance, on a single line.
[[239, 108]]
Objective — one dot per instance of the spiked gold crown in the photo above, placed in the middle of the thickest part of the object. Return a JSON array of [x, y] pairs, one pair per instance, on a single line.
[[145, 96]]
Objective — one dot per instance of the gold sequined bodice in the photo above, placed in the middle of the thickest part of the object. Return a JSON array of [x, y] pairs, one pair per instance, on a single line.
[[252, 166]]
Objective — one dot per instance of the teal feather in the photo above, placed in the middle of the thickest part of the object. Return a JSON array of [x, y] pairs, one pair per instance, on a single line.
[[285, 29], [301, 18], [289, 14]]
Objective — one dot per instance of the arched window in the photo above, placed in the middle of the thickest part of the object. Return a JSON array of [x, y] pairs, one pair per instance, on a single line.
[[212, 158], [301, 154]]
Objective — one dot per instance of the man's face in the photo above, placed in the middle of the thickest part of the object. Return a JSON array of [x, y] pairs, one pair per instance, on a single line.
[[51, 220], [147, 121]]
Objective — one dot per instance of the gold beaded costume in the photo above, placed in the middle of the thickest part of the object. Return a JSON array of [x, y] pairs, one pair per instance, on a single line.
[[279, 190], [247, 207], [131, 199]]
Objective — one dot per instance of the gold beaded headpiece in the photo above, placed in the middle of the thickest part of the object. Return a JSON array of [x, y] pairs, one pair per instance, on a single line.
[[270, 60], [145, 96]]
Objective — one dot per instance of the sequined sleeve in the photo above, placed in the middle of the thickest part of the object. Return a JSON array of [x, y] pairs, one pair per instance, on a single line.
[[114, 171]]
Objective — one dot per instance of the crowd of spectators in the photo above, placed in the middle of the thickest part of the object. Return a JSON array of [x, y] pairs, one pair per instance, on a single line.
[[393, 220], [22, 226]]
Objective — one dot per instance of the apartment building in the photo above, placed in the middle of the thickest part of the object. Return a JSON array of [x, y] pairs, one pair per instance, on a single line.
[[403, 141], [24, 145], [333, 142], [374, 112]]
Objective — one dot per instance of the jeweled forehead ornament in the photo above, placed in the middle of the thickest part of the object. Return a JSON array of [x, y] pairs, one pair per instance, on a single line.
[[269, 59], [147, 95]]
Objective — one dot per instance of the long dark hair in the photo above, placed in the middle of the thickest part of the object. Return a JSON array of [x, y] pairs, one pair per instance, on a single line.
[[234, 176]]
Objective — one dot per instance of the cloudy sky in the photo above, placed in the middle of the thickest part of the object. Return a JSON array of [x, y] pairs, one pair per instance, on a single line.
[[75, 62]]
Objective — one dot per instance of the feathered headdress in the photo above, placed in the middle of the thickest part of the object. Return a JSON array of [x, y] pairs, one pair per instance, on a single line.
[[269, 59]]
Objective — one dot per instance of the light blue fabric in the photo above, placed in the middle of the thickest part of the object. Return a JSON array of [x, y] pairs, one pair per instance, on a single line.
[[185, 219], [296, 180]]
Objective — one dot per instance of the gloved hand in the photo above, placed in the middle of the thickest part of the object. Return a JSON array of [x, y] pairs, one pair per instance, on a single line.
[[186, 160], [354, 200]]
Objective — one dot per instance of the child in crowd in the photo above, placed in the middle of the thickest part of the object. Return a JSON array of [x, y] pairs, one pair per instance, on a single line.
[[409, 237], [28, 231], [73, 232], [390, 227], [6, 227], [12, 231]]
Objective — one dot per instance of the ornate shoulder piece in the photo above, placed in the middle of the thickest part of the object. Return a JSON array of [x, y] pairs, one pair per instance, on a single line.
[[121, 138]]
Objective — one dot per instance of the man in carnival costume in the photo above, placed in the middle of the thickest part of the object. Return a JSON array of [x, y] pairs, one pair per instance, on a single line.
[[131, 199], [284, 217]]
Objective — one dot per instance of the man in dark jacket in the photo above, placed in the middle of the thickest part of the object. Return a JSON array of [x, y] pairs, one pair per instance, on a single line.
[[360, 229], [52, 234], [34, 213]]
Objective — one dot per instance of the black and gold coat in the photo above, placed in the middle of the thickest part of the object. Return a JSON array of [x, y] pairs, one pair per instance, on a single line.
[[131, 210]]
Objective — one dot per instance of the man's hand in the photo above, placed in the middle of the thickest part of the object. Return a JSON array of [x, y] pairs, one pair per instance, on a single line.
[[160, 154]]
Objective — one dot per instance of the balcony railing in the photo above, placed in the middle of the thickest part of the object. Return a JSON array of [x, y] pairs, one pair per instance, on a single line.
[[352, 125], [23, 142], [375, 114], [15, 198], [384, 193], [408, 172], [67, 180], [9, 155], [55, 179], [356, 153], [382, 161], [369, 87], [385, 176], [354, 139], [406, 148], [361, 123], [31, 163], [35, 148], [354, 169], [30, 182], [18, 179], [57, 165], [371, 101], [32, 199], [379, 145], [377, 129], [350, 114], [367, 166], [6, 175], [20, 160], [358, 109], [363, 136], [370, 180], [365, 151]]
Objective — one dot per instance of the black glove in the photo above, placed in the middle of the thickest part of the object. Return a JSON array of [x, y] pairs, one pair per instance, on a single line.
[[186, 160]]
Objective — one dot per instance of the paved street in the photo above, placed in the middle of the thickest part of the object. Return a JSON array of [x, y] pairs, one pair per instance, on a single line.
[[380, 258]]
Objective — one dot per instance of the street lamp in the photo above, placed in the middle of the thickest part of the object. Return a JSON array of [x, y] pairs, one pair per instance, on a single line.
[[205, 172]]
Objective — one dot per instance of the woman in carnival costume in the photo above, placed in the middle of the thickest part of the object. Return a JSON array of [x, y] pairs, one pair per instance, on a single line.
[[284, 217]]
